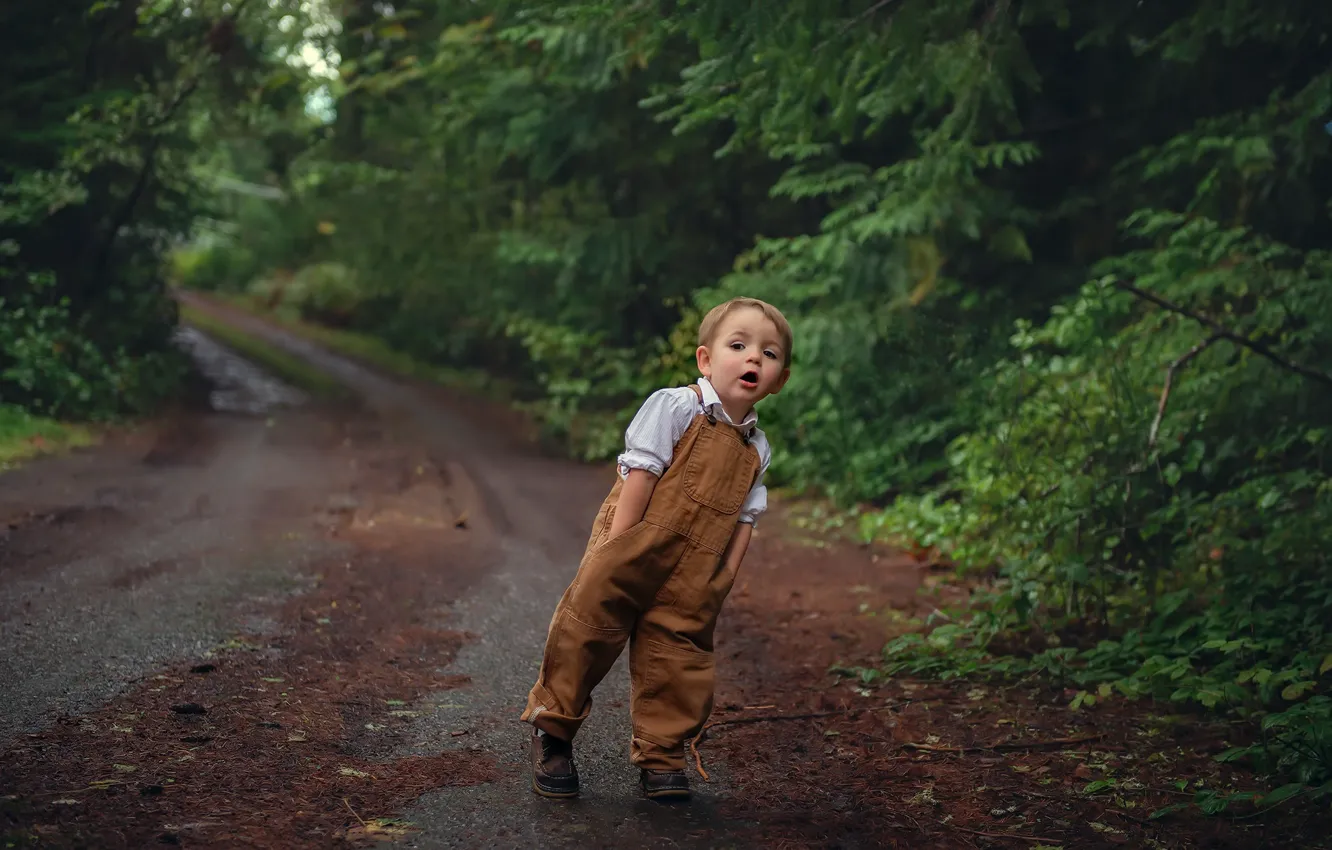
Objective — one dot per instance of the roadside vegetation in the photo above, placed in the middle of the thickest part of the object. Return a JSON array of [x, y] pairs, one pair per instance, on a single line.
[[24, 436]]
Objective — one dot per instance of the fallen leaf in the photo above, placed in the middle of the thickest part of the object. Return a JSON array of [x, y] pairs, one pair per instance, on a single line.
[[382, 828]]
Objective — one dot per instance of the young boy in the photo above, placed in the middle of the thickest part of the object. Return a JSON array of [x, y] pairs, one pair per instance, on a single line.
[[663, 554]]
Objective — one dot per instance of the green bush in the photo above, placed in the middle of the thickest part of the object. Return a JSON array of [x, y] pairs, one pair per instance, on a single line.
[[52, 364], [326, 293], [215, 266], [1135, 483]]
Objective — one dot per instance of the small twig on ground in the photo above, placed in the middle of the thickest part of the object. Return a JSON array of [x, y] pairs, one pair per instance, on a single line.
[[766, 718], [736, 721], [1127, 816], [1034, 839], [1032, 745], [353, 811], [698, 759]]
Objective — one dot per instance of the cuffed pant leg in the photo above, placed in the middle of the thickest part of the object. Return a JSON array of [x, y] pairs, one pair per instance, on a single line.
[[673, 680]]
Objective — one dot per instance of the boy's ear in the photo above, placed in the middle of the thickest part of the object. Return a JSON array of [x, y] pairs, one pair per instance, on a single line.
[[781, 381], [704, 358]]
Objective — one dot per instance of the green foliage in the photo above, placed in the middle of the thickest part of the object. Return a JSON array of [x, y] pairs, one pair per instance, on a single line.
[[53, 366], [1150, 508], [215, 267], [325, 293], [100, 148]]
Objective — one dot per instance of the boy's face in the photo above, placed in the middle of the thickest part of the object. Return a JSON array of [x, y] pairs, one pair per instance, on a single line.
[[744, 360]]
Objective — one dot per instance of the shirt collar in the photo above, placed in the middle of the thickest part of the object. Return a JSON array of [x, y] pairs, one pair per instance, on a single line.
[[712, 404]]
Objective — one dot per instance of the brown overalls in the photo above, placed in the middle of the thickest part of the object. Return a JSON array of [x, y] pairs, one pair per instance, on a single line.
[[659, 584]]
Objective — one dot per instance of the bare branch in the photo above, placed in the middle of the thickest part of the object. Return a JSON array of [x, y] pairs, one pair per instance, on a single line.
[[1180, 363], [1002, 747], [857, 19], [1222, 332]]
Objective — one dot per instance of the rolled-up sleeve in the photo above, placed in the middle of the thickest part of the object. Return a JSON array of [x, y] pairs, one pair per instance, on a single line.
[[757, 500], [649, 441]]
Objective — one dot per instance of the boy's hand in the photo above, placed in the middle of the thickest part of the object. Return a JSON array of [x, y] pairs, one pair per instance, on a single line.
[[633, 502]]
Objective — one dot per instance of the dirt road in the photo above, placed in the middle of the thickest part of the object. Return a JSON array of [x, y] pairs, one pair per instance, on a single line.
[[269, 622]]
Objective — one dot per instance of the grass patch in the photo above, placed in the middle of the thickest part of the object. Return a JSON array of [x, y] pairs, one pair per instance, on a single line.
[[24, 436], [286, 366]]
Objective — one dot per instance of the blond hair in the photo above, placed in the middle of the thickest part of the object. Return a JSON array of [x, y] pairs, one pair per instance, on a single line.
[[707, 329]]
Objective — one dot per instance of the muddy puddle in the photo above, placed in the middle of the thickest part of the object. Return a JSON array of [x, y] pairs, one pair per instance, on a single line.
[[238, 386]]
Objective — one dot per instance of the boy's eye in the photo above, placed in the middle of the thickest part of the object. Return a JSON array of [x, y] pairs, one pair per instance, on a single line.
[[772, 355], [736, 346]]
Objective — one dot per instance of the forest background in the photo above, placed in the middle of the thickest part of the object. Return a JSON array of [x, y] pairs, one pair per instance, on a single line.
[[1059, 273]]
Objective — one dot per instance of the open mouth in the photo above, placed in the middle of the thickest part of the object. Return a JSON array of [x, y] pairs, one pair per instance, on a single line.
[[750, 377]]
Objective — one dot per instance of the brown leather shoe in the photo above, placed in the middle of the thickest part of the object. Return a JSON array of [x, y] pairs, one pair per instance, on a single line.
[[553, 771], [664, 784]]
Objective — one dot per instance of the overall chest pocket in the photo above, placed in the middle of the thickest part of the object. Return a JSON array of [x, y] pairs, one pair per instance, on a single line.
[[720, 470]]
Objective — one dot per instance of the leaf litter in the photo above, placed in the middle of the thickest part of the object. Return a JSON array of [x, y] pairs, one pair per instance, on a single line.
[[928, 764]]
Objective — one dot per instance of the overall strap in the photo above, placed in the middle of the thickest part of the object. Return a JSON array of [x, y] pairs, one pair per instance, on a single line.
[[698, 391]]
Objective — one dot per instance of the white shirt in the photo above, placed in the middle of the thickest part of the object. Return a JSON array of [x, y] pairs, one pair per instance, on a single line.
[[650, 440]]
